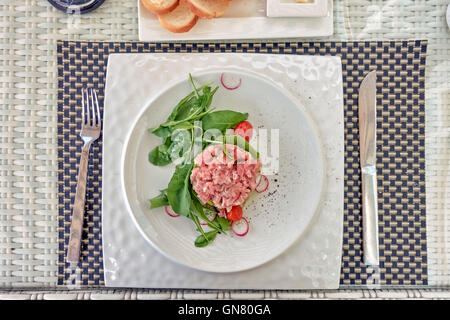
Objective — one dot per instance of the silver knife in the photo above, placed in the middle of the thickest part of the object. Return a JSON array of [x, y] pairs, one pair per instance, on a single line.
[[367, 146]]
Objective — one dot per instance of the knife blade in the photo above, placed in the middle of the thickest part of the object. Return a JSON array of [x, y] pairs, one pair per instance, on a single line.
[[367, 147]]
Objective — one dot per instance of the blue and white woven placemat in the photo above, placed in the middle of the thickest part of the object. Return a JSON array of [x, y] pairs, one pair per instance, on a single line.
[[400, 149]]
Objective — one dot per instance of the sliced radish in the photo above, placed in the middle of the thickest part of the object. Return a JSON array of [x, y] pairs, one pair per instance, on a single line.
[[173, 215], [262, 185], [230, 81], [211, 216], [240, 228]]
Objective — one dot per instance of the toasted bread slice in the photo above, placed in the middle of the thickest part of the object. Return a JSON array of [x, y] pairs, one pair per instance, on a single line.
[[180, 20], [208, 9], [160, 6]]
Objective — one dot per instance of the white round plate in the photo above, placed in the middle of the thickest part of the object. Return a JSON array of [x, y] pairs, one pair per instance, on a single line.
[[448, 15], [277, 217]]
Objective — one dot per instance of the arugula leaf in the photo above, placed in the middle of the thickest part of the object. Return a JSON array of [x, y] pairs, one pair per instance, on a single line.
[[182, 109], [160, 155], [181, 144], [189, 109], [162, 132], [197, 209], [242, 143], [178, 190], [198, 225], [173, 146], [223, 120], [211, 95], [160, 200], [191, 119], [237, 141], [182, 104], [183, 125], [193, 85], [204, 239], [192, 107], [224, 223], [196, 206]]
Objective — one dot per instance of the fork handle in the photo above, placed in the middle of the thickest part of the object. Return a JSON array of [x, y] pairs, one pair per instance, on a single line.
[[76, 227]]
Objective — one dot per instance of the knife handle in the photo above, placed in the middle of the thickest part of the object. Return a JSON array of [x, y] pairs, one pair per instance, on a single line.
[[370, 215]]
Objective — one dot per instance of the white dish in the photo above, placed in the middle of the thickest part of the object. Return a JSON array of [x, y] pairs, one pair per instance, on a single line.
[[242, 20], [277, 217], [292, 8], [133, 80]]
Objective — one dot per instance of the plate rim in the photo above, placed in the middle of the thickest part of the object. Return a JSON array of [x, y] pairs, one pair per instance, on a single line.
[[246, 72]]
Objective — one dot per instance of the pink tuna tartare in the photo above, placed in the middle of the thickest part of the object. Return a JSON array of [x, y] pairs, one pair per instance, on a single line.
[[224, 178]]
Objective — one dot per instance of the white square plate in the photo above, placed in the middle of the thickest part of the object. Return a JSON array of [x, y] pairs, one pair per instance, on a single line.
[[242, 20], [313, 261]]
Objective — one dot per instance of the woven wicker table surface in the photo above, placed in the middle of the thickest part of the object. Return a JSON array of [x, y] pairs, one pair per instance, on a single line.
[[28, 137]]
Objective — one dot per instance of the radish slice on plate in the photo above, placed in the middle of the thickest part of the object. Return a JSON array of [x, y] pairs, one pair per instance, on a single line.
[[173, 215], [240, 228], [230, 81], [263, 184], [211, 216]]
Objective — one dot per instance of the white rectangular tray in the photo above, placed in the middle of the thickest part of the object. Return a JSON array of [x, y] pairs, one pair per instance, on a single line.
[[314, 261], [244, 19], [292, 8]]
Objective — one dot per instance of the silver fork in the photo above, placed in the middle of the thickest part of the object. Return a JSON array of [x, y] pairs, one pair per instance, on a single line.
[[90, 131]]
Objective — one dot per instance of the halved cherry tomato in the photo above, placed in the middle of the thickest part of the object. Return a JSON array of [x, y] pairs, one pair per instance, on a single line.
[[235, 213], [244, 129]]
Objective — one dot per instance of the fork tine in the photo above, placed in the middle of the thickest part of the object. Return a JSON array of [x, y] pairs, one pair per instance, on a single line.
[[87, 108], [82, 110], [94, 120], [98, 109]]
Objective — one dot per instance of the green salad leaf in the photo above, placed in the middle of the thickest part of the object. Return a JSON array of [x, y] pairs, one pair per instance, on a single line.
[[190, 109], [160, 200], [160, 155], [178, 192], [204, 239], [198, 209], [224, 223], [223, 120], [237, 141], [162, 132]]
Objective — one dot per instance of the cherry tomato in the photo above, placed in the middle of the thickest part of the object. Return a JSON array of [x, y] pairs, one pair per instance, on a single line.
[[244, 129], [235, 213]]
